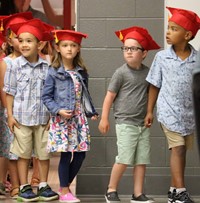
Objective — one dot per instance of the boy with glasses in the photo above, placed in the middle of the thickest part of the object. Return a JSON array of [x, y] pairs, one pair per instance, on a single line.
[[128, 92]]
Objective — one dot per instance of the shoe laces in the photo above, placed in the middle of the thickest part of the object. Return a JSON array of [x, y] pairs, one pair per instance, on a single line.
[[184, 195]]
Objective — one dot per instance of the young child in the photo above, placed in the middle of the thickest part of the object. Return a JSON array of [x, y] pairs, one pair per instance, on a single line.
[[66, 82], [4, 131], [170, 77], [27, 116], [12, 51], [128, 92]]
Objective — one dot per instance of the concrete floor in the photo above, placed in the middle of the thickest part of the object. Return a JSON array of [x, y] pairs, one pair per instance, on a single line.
[[54, 183], [99, 200]]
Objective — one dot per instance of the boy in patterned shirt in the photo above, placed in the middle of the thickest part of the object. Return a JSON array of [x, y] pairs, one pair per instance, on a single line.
[[170, 77]]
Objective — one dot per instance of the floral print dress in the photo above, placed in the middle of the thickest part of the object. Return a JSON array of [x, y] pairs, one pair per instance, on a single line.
[[4, 134], [70, 135]]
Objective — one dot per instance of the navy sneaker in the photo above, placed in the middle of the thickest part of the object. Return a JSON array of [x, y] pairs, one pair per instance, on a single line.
[[27, 195], [47, 194]]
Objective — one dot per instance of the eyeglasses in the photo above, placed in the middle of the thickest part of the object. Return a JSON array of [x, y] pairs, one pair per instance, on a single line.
[[132, 49]]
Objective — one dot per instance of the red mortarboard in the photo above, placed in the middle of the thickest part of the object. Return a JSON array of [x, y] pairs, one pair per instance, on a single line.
[[2, 39], [16, 18], [68, 35], [140, 34], [185, 18], [36, 27]]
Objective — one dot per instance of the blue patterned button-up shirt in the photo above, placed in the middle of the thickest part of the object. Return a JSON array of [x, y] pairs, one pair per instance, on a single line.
[[174, 78], [25, 82]]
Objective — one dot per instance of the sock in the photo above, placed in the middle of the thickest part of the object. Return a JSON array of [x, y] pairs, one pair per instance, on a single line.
[[171, 189], [179, 190], [42, 184], [22, 186]]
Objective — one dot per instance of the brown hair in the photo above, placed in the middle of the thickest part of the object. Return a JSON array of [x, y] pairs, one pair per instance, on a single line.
[[56, 60]]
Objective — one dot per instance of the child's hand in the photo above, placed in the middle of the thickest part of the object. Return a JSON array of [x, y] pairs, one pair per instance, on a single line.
[[95, 117], [148, 120], [65, 113], [11, 123], [104, 126]]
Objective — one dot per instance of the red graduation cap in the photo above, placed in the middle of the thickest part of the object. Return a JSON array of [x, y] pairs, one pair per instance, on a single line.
[[16, 18], [36, 27], [140, 34], [185, 18], [68, 35]]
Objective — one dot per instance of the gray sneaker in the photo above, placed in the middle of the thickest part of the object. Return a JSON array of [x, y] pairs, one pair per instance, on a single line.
[[141, 198], [183, 197], [171, 196], [112, 197]]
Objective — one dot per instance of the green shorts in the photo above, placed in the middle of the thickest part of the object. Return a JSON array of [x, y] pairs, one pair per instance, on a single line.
[[133, 143]]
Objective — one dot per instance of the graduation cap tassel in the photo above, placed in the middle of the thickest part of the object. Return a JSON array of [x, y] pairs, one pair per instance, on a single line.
[[1, 28]]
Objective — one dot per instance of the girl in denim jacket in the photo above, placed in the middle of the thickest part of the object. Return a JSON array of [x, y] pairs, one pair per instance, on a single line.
[[65, 85]]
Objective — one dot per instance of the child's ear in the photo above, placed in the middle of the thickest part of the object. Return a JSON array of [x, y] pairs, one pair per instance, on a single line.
[[188, 35], [56, 48], [145, 54], [40, 44]]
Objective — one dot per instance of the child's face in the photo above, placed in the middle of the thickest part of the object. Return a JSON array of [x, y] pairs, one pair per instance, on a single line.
[[13, 41], [68, 49], [176, 34], [29, 46], [135, 57]]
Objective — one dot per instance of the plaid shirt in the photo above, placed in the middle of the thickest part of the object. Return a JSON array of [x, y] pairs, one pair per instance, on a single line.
[[25, 82]]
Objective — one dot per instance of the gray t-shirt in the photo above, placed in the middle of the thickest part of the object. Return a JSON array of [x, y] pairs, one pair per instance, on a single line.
[[130, 104]]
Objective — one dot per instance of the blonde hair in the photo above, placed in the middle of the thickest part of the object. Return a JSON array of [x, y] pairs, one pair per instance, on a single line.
[[57, 60]]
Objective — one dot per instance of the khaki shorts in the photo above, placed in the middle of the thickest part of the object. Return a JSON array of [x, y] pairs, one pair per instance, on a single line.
[[133, 144], [176, 139], [28, 139]]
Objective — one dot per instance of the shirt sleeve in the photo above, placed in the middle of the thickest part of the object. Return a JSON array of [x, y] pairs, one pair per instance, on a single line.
[[115, 82], [10, 79], [154, 76], [48, 94]]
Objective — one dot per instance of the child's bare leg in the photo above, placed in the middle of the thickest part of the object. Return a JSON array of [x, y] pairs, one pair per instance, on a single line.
[[177, 164], [35, 176], [22, 165], [14, 177], [116, 174], [138, 179], [43, 169]]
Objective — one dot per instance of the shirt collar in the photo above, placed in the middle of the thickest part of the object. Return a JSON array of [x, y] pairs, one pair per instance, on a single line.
[[171, 54], [24, 62], [62, 70]]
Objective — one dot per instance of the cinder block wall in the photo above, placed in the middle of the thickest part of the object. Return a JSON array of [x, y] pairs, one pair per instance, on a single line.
[[102, 54]]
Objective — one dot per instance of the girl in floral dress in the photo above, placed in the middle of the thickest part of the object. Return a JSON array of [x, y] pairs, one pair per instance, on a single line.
[[65, 85]]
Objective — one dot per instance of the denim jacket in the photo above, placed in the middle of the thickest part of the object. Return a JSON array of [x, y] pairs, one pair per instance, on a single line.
[[59, 91]]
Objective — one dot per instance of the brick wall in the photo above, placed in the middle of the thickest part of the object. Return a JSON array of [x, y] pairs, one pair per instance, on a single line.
[[102, 54]]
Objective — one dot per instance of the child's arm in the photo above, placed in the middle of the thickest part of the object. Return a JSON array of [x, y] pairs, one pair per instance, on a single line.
[[2, 74], [153, 94], [104, 125], [11, 120]]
